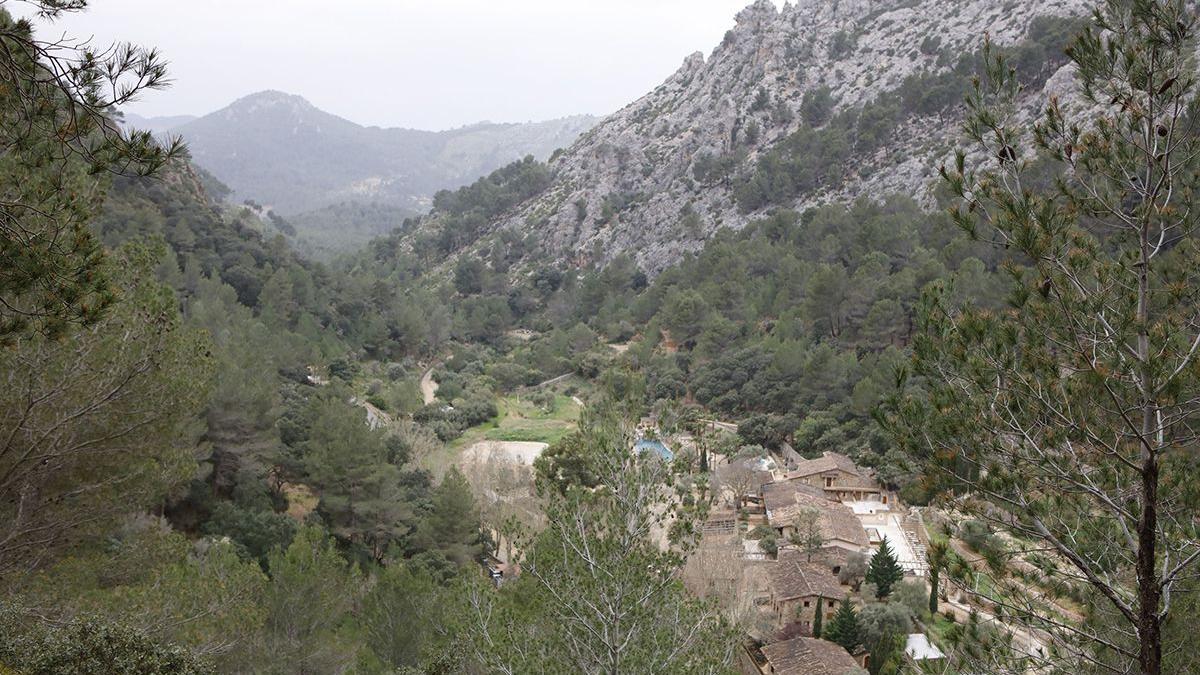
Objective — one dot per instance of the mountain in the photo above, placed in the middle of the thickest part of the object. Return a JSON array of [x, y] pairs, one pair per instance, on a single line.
[[156, 125], [280, 150], [813, 103]]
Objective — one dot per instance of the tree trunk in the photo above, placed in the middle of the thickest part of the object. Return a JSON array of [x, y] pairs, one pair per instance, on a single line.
[[1149, 592]]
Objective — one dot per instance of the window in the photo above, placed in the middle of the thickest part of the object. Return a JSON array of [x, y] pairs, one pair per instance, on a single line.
[[828, 481], [885, 499], [806, 603]]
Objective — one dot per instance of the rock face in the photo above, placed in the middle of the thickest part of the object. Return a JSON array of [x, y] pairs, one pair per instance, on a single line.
[[741, 101], [282, 151]]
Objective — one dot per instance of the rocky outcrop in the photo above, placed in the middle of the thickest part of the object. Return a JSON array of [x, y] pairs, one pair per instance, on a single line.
[[629, 185]]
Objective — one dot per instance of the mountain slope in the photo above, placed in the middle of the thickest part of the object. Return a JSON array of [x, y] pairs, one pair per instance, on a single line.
[[280, 150], [812, 103], [156, 125]]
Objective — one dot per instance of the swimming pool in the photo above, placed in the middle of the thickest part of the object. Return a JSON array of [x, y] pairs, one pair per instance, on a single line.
[[658, 447]]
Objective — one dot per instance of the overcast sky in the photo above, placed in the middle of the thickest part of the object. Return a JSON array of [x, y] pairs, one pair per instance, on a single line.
[[428, 64]]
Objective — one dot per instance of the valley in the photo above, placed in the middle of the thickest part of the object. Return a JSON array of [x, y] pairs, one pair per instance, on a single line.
[[865, 343]]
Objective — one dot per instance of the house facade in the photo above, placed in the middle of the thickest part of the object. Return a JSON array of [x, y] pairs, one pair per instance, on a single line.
[[784, 502], [796, 586], [840, 479]]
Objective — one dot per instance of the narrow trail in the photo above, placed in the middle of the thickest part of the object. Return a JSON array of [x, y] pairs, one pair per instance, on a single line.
[[428, 386]]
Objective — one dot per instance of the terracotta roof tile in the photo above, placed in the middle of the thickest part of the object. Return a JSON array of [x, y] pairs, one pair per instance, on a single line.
[[830, 461], [809, 656], [784, 501], [794, 577]]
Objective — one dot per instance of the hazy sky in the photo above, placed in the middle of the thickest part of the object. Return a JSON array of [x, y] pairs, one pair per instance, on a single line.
[[429, 64]]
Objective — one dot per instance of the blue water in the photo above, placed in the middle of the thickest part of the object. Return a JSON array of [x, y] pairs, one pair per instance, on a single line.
[[658, 447]]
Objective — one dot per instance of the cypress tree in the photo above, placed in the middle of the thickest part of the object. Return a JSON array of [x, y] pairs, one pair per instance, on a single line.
[[816, 626], [933, 590], [844, 629], [937, 558], [884, 570]]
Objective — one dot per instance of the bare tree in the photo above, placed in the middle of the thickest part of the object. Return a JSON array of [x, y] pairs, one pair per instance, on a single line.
[[806, 531], [735, 480]]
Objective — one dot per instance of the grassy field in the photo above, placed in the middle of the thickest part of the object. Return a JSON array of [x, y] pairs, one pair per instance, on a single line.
[[521, 420], [517, 420]]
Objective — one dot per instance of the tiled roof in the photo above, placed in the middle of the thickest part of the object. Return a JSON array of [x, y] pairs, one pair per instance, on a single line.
[[794, 577], [830, 461], [785, 500], [809, 656]]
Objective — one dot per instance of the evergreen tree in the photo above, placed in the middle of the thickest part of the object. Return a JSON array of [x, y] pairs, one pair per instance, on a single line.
[[452, 527], [57, 99], [311, 593], [99, 423], [87, 645], [937, 557], [884, 570], [882, 630], [818, 617], [362, 498], [404, 616], [1070, 417], [844, 628]]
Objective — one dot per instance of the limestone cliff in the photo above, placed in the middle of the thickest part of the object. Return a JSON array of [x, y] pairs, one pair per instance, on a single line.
[[629, 185]]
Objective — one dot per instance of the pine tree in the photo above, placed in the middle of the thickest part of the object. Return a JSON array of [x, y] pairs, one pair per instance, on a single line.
[[362, 499], [884, 570], [312, 590], [1072, 413], [844, 628], [817, 619], [452, 527], [58, 98], [933, 590]]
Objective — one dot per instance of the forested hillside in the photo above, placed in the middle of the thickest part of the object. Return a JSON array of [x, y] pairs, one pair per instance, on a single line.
[[545, 427]]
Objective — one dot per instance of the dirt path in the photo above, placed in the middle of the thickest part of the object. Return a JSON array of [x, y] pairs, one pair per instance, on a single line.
[[428, 386], [376, 418], [724, 426], [552, 380]]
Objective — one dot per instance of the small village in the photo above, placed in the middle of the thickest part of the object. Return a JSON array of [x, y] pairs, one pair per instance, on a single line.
[[825, 518], [788, 542]]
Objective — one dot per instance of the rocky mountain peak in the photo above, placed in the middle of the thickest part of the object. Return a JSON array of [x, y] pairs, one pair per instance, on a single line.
[[272, 103], [658, 177], [755, 15]]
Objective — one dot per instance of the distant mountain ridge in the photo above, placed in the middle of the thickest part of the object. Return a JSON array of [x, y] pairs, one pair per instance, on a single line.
[[163, 124], [282, 151]]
